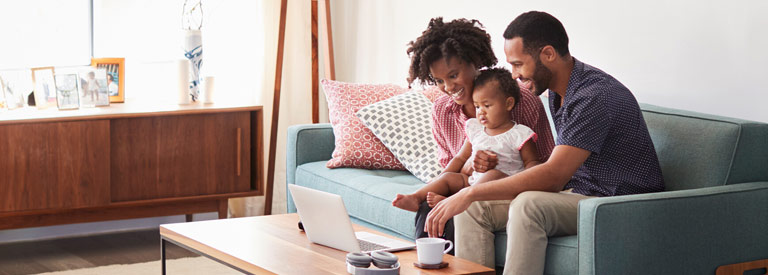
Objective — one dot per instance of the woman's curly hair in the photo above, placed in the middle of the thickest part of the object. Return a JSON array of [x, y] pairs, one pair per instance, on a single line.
[[466, 39]]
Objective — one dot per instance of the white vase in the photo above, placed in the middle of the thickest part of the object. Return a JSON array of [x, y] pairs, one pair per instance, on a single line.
[[193, 50]]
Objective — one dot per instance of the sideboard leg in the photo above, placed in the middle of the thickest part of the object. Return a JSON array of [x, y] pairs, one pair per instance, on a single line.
[[189, 217], [223, 208]]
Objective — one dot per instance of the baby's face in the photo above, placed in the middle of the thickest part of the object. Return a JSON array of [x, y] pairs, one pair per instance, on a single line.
[[491, 105]]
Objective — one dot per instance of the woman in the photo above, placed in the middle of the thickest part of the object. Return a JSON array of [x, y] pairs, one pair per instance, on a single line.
[[450, 56]]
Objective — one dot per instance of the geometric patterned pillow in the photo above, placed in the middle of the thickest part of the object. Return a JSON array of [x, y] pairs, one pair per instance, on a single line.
[[356, 145], [402, 123]]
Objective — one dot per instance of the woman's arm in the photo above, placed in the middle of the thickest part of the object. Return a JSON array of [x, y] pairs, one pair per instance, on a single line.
[[457, 163]]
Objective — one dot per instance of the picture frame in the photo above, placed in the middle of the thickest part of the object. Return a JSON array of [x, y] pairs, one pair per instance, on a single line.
[[94, 90], [67, 90], [44, 87], [2, 94], [14, 88], [115, 69]]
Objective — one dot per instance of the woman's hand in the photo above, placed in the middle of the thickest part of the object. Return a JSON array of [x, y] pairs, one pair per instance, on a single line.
[[485, 160]]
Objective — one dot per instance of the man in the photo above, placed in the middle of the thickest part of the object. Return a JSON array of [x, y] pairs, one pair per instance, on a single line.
[[603, 148]]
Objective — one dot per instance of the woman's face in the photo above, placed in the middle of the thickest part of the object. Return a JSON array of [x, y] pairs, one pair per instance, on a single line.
[[455, 78]]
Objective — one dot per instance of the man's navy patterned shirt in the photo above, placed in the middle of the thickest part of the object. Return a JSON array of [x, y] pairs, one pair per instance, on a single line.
[[602, 116]]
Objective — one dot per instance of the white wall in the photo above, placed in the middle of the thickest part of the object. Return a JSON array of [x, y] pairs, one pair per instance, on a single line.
[[706, 56], [149, 35]]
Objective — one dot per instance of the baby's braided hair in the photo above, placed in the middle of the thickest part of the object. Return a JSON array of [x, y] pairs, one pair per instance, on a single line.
[[462, 38]]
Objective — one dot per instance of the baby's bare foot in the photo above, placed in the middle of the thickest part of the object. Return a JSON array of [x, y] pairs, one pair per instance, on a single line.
[[433, 199], [406, 202]]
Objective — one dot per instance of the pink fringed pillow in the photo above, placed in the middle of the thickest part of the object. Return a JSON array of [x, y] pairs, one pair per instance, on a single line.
[[356, 145]]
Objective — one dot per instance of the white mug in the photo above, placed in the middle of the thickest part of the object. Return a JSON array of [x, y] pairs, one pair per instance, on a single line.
[[431, 250]]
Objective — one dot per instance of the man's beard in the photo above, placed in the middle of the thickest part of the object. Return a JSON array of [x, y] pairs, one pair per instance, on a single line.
[[541, 78]]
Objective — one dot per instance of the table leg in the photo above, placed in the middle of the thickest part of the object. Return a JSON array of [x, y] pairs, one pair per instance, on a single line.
[[162, 255]]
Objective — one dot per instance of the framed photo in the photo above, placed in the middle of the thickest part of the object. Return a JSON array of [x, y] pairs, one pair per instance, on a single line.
[[94, 88], [45, 87], [67, 90], [11, 84], [115, 68], [2, 94]]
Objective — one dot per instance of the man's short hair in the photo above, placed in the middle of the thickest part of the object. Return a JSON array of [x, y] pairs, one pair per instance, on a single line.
[[538, 29]]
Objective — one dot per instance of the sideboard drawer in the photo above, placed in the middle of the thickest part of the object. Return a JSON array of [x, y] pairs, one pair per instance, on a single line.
[[54, 165], [181, 155]]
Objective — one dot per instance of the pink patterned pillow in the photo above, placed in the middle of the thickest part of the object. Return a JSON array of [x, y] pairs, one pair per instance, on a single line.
[[432, 92], [356, 145]]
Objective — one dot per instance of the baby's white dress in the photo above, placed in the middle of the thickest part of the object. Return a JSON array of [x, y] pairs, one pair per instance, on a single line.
[[506, 145]]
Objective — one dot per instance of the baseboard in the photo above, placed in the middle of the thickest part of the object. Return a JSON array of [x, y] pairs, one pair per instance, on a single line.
[[90, 228]]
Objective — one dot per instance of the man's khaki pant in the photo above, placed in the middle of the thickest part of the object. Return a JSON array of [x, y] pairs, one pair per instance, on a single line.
[[529, 219]]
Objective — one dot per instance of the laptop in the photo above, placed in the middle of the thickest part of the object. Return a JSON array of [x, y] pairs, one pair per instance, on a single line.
[[326, 222]]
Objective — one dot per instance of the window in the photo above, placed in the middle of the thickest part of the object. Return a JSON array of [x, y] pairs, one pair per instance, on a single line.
[[37, 33]]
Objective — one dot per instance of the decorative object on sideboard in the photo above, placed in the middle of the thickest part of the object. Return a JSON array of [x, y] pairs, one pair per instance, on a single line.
[[115, 69], [3, 102], [11, 85], [2, 98], [192, 21], [182, 76], [45, 87], [67, 90], [207, 89], [93, 87]]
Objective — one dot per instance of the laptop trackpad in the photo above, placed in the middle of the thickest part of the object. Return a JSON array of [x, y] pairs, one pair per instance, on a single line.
[[393, 244]]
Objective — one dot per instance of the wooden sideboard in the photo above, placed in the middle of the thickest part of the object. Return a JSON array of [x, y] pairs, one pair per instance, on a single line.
[[122, 162]]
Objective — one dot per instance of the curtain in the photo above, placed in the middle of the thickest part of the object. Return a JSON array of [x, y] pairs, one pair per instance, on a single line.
[[295, 101]]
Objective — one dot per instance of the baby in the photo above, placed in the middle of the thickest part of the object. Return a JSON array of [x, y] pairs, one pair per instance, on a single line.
[[494, 96]]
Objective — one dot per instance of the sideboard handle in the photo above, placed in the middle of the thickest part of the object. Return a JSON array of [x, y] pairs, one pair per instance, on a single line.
[[239, 150]]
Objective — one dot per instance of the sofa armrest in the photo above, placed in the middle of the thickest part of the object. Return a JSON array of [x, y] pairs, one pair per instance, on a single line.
[[678, 232], [306, 143]]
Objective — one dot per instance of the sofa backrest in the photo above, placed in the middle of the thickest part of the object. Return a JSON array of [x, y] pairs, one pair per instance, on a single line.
[[698, 150]]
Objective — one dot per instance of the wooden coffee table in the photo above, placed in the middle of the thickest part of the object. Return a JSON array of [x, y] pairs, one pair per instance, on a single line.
[[274, 244]]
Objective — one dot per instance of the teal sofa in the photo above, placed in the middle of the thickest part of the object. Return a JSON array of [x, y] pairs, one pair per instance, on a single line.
[[714, 212]]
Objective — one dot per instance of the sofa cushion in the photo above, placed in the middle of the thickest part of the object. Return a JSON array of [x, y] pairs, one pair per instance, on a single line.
[[562, 253], [367, 194], [699, 150]]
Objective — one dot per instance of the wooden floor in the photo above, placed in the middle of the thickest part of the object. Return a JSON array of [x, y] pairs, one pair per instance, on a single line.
[[82, 252]]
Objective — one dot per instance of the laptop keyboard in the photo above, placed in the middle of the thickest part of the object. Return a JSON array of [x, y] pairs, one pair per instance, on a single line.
[[369, 246]]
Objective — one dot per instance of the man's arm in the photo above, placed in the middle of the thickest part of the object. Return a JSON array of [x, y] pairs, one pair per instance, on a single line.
[[550, 176]]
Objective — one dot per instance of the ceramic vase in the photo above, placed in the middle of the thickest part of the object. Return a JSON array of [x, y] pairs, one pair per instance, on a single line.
[[193, 50]]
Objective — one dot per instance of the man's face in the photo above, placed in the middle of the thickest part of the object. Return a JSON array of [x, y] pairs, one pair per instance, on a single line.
[[528, 69]]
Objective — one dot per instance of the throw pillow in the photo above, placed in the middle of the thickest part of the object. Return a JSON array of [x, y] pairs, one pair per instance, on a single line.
[[403, 124], [432, 92], [356, 145]]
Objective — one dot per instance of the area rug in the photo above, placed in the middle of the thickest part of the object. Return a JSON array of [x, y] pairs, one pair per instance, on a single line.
[[192, 265]]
